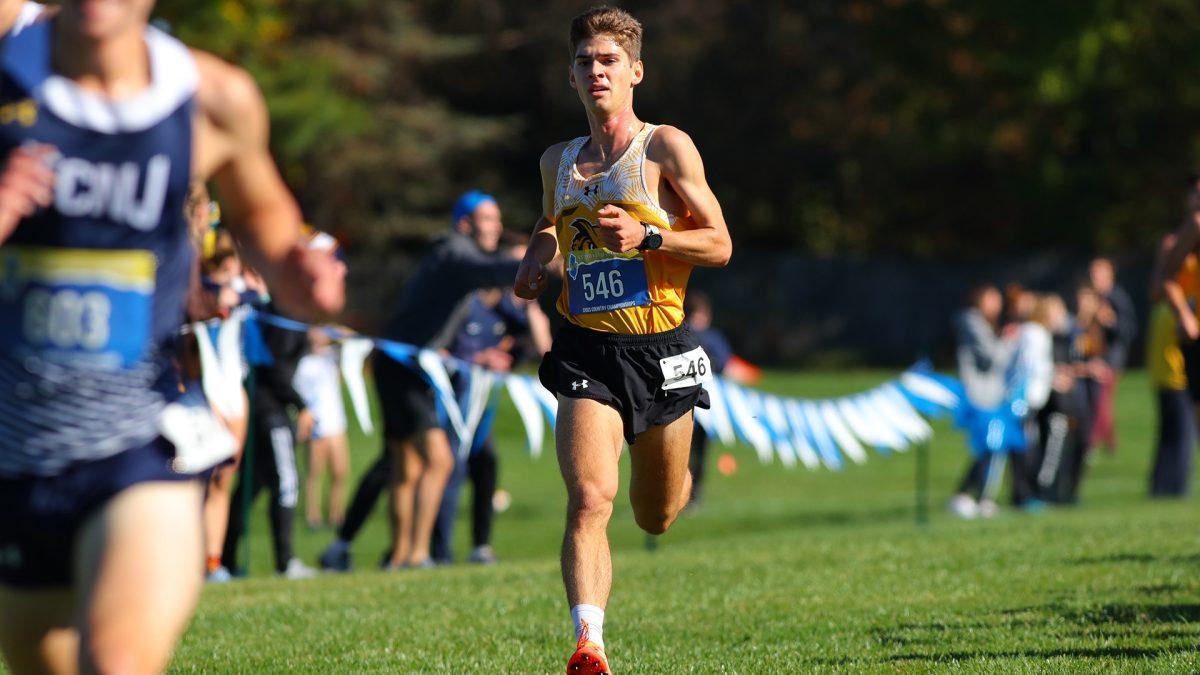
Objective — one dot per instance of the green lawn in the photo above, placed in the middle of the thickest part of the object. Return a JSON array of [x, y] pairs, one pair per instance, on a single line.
[[780, 571]]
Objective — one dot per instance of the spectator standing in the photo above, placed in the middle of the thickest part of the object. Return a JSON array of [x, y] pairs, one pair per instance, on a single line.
[[498, 330], [273, 464], [1118, 320], [698, 314], [416, 457], [1065, 422], [983, 360], [1172, 322], [319, 383]]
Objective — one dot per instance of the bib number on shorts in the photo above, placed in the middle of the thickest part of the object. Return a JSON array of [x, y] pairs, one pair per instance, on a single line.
[[78, 306], [686, 370], [606, 284], [201, 441]]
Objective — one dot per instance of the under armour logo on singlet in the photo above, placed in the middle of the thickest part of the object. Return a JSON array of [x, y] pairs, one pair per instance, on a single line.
[[579, 384]]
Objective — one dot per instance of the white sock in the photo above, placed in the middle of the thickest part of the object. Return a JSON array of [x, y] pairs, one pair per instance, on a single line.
[[589, 618]]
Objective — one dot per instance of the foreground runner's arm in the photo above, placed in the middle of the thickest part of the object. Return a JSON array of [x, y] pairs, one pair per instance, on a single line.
[[543, 244], [232, 149], [707, 242]]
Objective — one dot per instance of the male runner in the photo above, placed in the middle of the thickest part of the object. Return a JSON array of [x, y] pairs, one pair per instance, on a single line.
[[100, 543], [631, 212]]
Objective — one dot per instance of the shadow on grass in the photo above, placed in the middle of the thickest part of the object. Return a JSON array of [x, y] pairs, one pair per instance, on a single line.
[[1082, 653], [1161, 589], [773, 522], [1122, 613], [1113, 558], [1161, 623]]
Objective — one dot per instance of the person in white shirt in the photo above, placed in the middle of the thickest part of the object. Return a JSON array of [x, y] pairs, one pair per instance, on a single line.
[[319, 384]]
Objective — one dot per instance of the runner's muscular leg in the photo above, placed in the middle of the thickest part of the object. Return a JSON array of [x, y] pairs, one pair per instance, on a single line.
[[139, 570], [36, 635], [588, 438], [659, 481]]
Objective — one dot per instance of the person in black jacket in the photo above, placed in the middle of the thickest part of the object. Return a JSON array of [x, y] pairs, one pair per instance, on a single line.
[[273, 461], [417, 458]]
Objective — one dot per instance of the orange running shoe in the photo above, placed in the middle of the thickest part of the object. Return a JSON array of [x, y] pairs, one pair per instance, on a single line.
[[588, 659]]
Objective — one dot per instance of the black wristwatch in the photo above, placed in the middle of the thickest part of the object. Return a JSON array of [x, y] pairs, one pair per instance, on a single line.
[[652, 240]]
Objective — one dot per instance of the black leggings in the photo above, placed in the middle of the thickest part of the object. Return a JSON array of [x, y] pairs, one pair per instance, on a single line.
[[481, 469], [370, 486], [273, 465]]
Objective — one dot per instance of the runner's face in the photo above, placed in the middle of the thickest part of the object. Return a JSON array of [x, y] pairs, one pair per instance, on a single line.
[[486, 226], [99, 19], [603, 75]]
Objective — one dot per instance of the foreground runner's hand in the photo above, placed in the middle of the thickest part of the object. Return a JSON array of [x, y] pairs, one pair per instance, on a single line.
[[312, 284], [26, 183], [619, 231]]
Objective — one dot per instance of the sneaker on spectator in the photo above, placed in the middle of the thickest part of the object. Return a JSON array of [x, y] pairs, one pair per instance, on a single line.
[[336, 558], [963, 507], [297, 570], [482, 555], [1033, 506], [988, 508], [218, 576]]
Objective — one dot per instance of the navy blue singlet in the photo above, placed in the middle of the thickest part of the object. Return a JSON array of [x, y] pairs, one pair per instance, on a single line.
[[92, 288]]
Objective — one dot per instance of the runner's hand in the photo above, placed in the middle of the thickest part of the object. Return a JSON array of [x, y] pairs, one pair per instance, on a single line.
[[311, 284], [619, 231], [26, 184], [531, 278]]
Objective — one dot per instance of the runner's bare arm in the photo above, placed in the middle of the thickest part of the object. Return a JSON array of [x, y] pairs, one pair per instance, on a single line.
[[543, 244], [231, 148], [706, 242]]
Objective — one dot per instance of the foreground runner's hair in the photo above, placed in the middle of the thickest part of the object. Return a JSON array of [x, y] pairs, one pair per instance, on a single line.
[[100, 543], [629, 212]]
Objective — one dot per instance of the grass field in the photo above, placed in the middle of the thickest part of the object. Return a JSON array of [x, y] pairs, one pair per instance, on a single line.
[[780, 571]]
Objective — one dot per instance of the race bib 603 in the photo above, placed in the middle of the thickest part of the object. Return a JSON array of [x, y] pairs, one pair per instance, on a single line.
[[85, 307]]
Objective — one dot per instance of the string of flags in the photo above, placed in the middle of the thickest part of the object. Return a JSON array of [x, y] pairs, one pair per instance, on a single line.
[[891, 417]]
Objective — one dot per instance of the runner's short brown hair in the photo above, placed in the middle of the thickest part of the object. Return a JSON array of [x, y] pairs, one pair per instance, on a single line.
[[612, 22]]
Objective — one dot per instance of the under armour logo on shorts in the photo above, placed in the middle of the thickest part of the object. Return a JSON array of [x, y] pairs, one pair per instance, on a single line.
[[579, 384]]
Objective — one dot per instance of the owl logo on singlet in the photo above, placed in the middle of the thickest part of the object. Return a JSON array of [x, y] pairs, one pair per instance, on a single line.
[[583, 239]]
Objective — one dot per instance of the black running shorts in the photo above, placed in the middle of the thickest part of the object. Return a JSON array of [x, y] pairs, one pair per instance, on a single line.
[[623, 371], [43, 515], [408, 402]]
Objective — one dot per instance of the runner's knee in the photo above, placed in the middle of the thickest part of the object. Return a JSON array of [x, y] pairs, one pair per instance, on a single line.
[[655, 517], [590, 502]]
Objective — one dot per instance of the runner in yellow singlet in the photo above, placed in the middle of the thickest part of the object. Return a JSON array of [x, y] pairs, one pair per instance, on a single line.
[[630, 212]]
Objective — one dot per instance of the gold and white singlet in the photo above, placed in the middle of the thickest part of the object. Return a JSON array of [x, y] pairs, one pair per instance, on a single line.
[[632, 293]]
